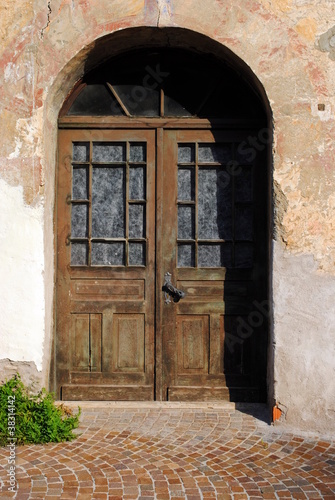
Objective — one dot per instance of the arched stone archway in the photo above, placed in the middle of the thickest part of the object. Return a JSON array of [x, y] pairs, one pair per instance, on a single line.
[[216, 348]]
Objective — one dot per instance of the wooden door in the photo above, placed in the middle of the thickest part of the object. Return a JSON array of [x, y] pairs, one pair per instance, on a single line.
[[214, 244], [133, 205], [105, 265]]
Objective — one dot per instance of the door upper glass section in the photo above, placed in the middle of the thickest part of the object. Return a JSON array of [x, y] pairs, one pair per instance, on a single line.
[[215, 206], [164, 83], [108, 204]]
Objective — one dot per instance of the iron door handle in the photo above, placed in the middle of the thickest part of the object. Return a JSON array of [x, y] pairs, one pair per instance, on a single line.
[[171, 291]]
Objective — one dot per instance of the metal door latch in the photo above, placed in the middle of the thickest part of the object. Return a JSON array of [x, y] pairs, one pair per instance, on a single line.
[[171, 291]]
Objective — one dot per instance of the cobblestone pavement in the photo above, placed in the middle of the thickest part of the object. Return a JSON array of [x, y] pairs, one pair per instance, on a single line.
[[161, 451]]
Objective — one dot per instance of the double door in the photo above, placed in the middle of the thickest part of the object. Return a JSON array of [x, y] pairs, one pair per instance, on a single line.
[[137, 209]]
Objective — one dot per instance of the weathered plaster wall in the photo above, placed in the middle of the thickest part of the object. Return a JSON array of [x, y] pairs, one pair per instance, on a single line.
[[21, 269], [304, 341], [288, 44]]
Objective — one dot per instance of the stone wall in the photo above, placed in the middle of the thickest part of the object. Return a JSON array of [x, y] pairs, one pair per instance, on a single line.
[[289, 46]]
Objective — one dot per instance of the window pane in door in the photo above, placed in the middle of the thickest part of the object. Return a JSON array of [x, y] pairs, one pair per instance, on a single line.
[[212, 153], [137, 183], [186, 255], [244, 223], [80, 151], [137, 254], [136, 221], [243, 184], [79, 254], [137, 152], [108, 202], [112, 152], [186, 222], [216, 255], [244, 255], [186, 183], [186, 153], [214, 206], [79, 183], [108, 254], [79, 221]]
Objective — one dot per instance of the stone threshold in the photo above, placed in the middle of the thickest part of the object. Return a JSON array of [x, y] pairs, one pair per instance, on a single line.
[[224, 405]]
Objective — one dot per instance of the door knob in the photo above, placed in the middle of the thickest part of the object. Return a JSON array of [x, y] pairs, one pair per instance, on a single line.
[[171, 291]]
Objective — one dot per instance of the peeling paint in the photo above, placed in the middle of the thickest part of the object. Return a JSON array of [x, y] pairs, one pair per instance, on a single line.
[[326, 43]]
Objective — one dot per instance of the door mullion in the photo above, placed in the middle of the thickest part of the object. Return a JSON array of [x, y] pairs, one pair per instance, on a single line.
[[90, 204], [159, 263], [196, 204], [127, 203]]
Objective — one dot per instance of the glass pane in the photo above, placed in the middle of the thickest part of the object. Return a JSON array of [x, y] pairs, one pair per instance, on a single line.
[[78, 254], [81, 151], [109, 152], [209, 153], [244, 223], [243, 184], [79, 221], [214, 255], [137, 152], [136, 221], [214, 206], [186, 183], [244, 255], [139, 100], [95, 100], [186, 255], [108, 254], [174, 108], [137, 254], [186, 223], [186, 153], [245, 153], [137, 183], [108, 202], [80, 183]]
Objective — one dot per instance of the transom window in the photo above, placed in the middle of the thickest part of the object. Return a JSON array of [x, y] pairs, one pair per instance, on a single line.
[[164, 83]]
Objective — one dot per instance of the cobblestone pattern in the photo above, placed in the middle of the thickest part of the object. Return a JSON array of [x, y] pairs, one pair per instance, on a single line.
[[161, 452]]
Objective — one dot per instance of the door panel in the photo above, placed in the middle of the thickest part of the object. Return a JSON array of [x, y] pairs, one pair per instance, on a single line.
[[210, 249], [106, 265]]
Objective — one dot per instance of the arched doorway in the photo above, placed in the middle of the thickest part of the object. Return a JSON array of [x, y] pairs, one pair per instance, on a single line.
[[162, 177]]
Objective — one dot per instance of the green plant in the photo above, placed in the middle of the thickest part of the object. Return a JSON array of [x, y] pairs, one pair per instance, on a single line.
[[33, 418]]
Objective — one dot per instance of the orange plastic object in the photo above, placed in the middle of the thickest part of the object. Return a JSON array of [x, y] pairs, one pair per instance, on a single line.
[[276, 413]]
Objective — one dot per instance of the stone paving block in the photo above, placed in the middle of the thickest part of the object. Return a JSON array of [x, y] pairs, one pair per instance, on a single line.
[[151, 452]]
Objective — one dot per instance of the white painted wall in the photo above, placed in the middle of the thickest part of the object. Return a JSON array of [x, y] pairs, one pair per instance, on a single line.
[[304, 336], [21, 271]]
